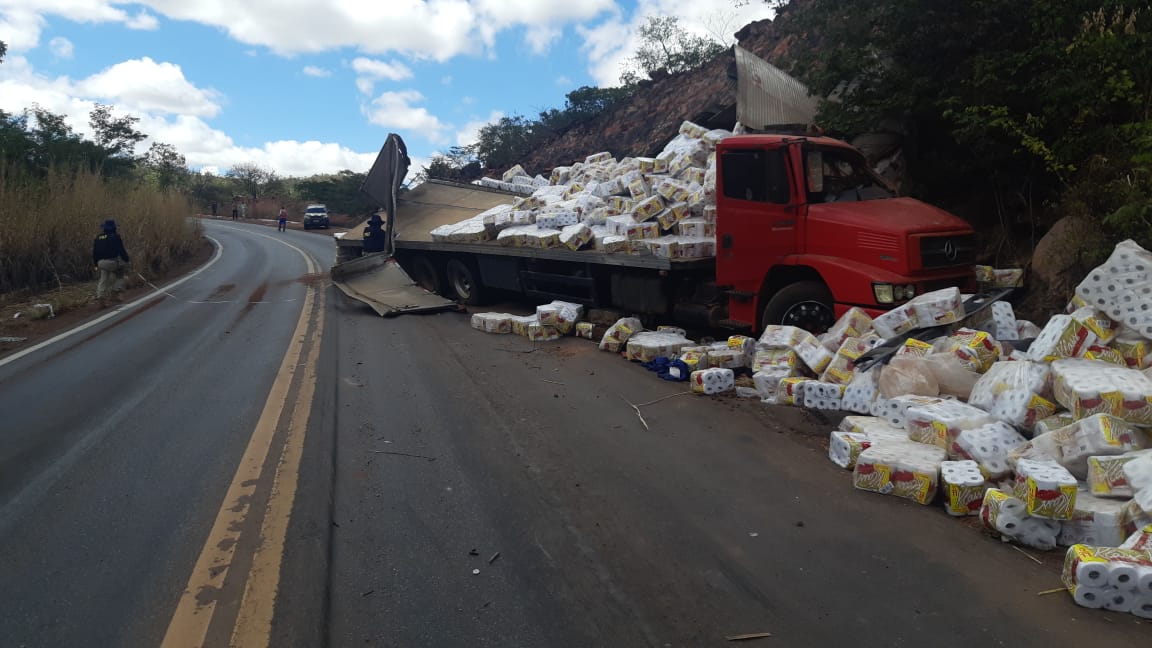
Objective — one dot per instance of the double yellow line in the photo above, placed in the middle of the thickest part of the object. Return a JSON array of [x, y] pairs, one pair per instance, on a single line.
[[233, 532]]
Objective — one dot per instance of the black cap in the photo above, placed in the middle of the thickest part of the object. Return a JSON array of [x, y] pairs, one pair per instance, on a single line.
[[109, 225]]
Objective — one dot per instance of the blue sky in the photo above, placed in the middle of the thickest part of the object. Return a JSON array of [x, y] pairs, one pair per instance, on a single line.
[[315, 86]]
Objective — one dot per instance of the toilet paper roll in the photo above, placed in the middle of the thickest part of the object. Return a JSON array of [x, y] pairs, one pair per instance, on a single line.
[[1089, 597], [1123, 576], [1142, 607], [1119, 600], [1144, 581], [1092, 574]]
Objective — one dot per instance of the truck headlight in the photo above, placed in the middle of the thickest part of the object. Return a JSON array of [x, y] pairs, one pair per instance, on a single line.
[[886, 293]]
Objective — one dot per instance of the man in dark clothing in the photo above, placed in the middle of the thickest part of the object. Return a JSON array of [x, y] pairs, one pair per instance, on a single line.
[[374, 236], [235, 211], [110, 258]]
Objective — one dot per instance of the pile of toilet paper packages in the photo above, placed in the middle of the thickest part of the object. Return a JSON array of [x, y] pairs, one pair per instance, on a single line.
[[1049, 446], [663, 206]]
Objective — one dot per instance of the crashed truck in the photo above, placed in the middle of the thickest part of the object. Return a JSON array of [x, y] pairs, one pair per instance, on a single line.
[[800, 230]]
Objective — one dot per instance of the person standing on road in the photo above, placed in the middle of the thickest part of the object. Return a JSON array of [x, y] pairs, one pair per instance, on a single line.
[[283, 223], [110, 259], [213, 209], [235, 211], [374, 236]]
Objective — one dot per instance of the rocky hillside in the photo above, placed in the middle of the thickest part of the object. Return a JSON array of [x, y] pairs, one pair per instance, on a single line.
[[642, 125]]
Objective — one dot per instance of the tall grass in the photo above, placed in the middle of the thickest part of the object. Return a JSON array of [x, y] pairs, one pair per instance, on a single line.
[[47, 225]]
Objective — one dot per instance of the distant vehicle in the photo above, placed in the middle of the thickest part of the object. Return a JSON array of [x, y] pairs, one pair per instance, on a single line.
[[315, 216]]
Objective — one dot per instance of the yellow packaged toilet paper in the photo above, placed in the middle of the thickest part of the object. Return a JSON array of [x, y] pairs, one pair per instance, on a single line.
[[1047, 489], [914, 347]]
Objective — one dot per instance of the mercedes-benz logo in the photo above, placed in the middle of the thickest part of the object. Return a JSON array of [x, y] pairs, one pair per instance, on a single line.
[[950, 250]]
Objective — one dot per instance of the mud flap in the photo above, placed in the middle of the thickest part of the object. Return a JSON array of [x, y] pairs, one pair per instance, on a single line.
[[380, 282]]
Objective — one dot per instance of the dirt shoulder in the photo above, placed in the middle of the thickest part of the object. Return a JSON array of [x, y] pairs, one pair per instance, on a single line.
[[24, 322]]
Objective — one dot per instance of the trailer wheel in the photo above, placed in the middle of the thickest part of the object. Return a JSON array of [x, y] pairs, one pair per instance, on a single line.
[[424, 273], [464, 281], [805, 304]]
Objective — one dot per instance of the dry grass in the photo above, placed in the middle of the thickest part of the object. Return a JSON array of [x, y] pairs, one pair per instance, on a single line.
[[47, 227]]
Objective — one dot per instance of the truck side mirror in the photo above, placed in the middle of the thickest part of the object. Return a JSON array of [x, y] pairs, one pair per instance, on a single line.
[[814, 163]]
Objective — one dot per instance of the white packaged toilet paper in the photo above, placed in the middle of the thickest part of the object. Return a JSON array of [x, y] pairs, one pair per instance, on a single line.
[[1062, 337], [1087, 387], [895, 410], [1007, 515], [861, 392], [845, 447], [1122, 287], [1098, 323], [938, 307], [1004, 321], [712, 381], [1015, 392], [647, 346], [895, 322], [853, 323], [963, 485], [940, 423], [492, 322], [988, 446], [617, 335], [806, 346], [1095, 521], [1096, 435], [767, 382], [902, 468], [1047, 489], [1106, 476]]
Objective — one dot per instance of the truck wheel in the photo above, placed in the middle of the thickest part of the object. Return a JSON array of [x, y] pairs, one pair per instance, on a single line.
[[424, 273], [464, 281], [805, 304]]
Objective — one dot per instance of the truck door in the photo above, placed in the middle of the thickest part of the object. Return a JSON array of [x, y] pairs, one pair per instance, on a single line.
[[758, 217]]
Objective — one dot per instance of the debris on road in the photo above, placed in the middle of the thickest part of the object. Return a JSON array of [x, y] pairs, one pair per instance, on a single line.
[[746, 637], [404, 454], [1040, 430], [494, 557]]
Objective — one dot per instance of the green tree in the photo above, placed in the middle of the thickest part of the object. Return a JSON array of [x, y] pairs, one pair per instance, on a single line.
[[253, 179], [503, 143], [459, 164], [665, 46], [166, 164]]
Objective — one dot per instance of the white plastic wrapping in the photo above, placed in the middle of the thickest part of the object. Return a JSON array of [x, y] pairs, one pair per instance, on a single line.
[[617, 335], [647, 346], [1122, 287], [1007, 515], [1086, 387], [1015, 392], [940, 423], [1047, 489], [713, 381], [989, 445], [963, 485], [904, 469], [1095, 521]]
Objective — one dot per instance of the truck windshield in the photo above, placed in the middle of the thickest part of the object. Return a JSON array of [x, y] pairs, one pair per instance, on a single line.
[[315, 210], [846, 177]]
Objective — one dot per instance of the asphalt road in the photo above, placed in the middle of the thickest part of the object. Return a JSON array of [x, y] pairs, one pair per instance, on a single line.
[[425, 484]]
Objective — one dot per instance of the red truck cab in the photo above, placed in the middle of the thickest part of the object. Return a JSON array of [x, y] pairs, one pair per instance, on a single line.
[[805, 230]]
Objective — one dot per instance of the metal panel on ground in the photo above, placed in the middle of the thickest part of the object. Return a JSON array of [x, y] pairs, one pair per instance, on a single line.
[[380, 282]]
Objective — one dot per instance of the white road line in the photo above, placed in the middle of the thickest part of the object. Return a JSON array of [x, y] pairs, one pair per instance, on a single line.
[[122, 309]]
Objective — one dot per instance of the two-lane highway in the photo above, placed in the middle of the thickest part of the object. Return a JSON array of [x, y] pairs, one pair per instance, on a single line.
[[121, 445]]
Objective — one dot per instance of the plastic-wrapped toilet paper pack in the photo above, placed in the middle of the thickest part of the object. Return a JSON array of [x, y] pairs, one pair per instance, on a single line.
[[938, 307], [559, 314], [584, 330], [895, 410], [1138, 473], [1061, 337], [1098, 323], [853, 323], [914, 347], [646, 346], [823, 396], [940, 423], [1041, 448], [963, 485], [1047, 489], [1008, 515], [520, 324], [492, 322], [843, 364], [1026, 330], [744, 344], [1095, 521], [1014, 392], [1135, 517], [712, 381], [727, 358], [767, 382], [1087, 387], [1099, 434], [1108, 578], [542, 333], [696, 357], [857, 434], [1105, 354], [861, 392], [765, 358], [895, 322], [976, 350], [617, 335], [1122, 287], [575, 236], [1133, 349], [1106, 476], [1054, 422], [815, 356], [647, 208], [845, 447], [904, 469], [791, 391], [989, 445], [1140, 540], [875, 428], [1004, 321]]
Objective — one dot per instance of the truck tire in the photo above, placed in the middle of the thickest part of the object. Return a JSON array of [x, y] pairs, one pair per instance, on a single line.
[[804, 304], [425, 274], [464, 282]]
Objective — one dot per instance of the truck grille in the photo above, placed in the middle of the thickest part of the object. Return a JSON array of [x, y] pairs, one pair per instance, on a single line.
[[947, 251]]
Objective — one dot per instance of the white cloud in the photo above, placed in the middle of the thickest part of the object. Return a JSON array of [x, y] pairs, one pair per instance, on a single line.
[[540, 37], [61, 47], [396, 110], [143, 21], [19, 28], [563, 81], [469, 133], [145, 85], [369, 71], [315, 71], [22, 20], [611, 43]]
